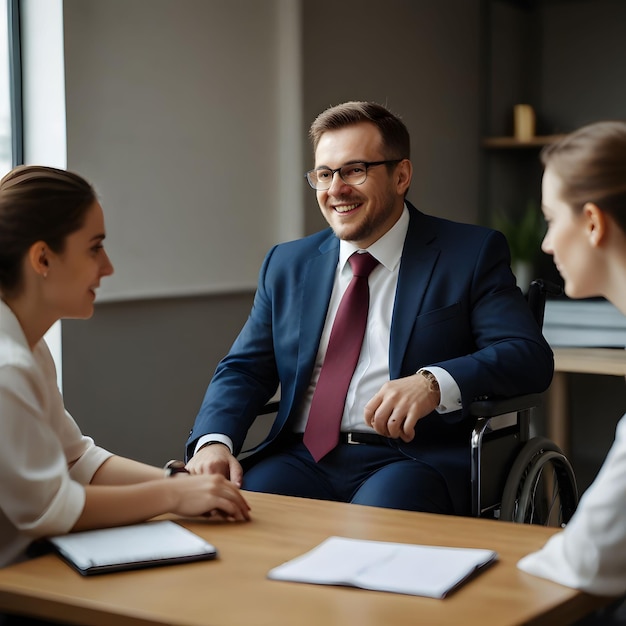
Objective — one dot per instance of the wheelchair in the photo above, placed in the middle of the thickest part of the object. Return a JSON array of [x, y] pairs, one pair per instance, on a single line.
[[515, 477]]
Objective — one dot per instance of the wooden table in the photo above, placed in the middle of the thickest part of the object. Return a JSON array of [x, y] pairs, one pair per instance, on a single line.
[[234, 591], [606, 361]]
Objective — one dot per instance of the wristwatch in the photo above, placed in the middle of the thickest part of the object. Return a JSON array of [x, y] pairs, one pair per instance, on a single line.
[[430, 377], [171, 468]]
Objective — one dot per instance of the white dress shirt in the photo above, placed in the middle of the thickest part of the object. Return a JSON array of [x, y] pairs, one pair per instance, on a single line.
[[372, 369], [590, 553], [44, 458]]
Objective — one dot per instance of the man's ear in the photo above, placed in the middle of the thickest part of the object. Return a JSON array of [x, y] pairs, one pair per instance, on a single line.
[[595, 223], [404, 173], [38, 255]]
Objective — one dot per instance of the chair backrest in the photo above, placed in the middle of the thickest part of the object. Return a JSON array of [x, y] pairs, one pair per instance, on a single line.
[[536, 297]]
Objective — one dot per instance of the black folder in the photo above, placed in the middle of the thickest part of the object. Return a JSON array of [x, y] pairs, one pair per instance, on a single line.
[[131, 547]]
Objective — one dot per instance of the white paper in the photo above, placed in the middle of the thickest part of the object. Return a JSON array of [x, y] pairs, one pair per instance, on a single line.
[[431, 571], [127, 545]]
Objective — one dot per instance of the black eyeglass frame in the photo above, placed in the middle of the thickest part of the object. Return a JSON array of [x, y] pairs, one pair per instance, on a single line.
[[366, 165]]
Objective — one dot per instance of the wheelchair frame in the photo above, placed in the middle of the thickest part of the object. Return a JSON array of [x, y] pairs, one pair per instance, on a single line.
[[506, 464]]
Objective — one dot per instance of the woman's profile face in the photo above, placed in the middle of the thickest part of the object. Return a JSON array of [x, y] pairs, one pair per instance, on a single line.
[[567, 239], [75, 274]]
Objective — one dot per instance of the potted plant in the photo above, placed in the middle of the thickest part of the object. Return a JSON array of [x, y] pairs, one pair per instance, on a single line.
[[524, 233]]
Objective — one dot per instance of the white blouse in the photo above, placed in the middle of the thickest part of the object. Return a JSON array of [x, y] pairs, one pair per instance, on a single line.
[[44, 458], [590, 553]]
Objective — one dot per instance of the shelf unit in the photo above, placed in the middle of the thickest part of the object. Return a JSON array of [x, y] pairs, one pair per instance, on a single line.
[[513, 183], [511, 143], [511, 169]]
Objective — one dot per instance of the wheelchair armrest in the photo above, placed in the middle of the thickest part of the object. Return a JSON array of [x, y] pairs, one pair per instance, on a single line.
[[500, 406], [479, 408], [502, 428], [270, 407]]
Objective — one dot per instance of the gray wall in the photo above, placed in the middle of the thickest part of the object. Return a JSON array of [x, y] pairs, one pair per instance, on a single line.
[[178, 125], [135, 374], [583, 69]]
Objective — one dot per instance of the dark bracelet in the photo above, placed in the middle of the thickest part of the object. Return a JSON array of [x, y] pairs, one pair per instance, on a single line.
[[171, 468]]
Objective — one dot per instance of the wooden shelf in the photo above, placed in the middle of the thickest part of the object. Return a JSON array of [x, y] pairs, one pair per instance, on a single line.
[[507, 143]]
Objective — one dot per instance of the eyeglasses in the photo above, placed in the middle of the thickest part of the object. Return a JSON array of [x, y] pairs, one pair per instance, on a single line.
[[351, 174]]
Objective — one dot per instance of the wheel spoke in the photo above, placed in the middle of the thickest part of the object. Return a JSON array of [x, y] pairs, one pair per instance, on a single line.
[[541, 488]]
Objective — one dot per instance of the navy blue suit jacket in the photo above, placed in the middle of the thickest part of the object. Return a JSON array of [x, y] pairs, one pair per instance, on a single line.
[[456, 306]]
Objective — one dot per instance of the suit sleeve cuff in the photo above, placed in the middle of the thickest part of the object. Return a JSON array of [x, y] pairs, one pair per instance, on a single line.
[[214, 438]]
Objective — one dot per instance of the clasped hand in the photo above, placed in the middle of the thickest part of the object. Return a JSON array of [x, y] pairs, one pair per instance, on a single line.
[[216, 459], [399, 405]]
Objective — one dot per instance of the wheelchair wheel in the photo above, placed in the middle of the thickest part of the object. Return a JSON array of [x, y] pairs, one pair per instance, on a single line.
[[541, 487]]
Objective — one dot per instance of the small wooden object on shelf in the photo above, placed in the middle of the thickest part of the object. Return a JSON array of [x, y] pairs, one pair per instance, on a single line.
[[523, 122]]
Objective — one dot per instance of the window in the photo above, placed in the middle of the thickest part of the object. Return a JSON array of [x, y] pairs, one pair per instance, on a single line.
[[10, 91]]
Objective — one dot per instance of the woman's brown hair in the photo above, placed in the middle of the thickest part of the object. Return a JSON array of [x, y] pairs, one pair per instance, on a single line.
[[38, 203], [591, 165]]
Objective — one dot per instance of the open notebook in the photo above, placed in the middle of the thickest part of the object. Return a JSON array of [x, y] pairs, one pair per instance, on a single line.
[[131, 547], [430, 571]]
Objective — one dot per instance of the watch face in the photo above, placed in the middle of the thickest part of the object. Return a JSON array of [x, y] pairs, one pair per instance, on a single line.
[[175, 467], [434, 384]]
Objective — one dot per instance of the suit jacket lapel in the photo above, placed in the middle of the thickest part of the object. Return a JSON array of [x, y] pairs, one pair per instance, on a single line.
[[418, 260], [419, 256], [319, 275]]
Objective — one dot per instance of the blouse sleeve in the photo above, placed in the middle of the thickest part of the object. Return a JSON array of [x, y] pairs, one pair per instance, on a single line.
[[40, 440], [590, 553]]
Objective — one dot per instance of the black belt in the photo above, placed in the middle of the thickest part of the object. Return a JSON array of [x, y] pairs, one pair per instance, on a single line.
[[350, 438], [359, 438]]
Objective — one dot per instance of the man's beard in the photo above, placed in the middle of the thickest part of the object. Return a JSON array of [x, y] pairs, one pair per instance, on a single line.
[[366, 228]]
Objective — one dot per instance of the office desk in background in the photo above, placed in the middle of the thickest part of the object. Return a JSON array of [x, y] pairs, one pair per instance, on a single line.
[[234, 590], [574, 329], [604, 361]]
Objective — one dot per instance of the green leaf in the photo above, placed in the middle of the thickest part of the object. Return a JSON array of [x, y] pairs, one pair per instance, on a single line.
[[524, 233]]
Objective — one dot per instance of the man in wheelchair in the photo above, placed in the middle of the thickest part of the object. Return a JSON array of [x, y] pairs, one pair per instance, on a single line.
[[388, 422]]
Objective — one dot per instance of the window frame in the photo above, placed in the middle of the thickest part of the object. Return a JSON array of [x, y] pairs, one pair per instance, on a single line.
[[15, 82]]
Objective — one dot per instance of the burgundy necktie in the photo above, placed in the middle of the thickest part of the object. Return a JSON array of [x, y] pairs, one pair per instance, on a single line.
[[344, 346]]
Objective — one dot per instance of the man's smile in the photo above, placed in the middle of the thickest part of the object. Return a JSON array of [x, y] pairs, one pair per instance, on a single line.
[[346, 208]]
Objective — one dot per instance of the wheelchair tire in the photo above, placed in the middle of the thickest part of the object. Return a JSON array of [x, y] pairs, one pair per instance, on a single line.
[[525, 499]]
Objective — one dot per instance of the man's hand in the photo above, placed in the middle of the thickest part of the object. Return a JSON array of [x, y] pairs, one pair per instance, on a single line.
[[399, 405], [215, 458]]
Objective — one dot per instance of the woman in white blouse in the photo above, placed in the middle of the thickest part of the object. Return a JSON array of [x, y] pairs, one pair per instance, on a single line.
[[584, 203], [53, 479]]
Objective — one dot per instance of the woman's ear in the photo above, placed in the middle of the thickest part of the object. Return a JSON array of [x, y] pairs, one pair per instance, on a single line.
[[595, 223], [38, 255]]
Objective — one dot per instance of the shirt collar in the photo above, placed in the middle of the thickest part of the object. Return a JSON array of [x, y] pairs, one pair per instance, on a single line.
[[10, 325], [387, 250]]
